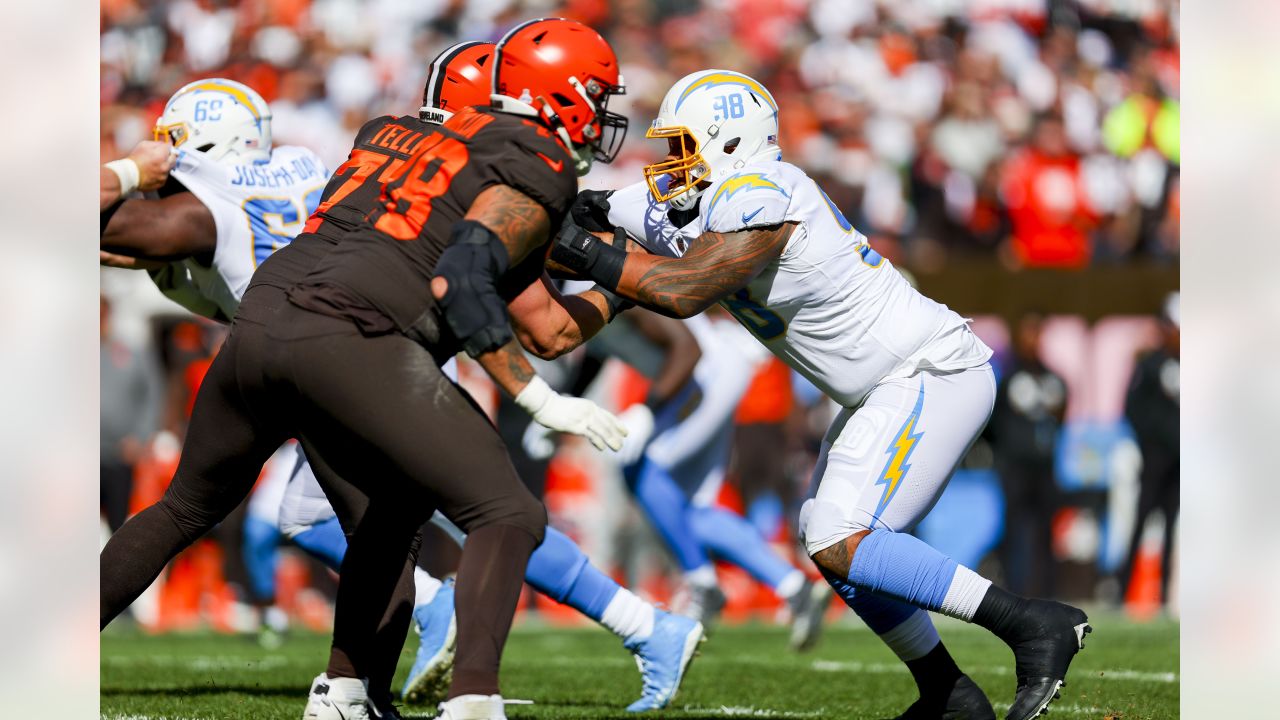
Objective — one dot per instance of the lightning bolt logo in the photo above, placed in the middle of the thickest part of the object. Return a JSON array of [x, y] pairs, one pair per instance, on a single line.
[[899, 452], [743, 181], [715, 79]]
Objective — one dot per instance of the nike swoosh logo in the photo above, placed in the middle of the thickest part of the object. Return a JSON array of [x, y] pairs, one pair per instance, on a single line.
[[556, 165], [747, 218]]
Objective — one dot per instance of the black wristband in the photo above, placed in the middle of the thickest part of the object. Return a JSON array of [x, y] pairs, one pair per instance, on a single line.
[[585, 254], [617, 304]]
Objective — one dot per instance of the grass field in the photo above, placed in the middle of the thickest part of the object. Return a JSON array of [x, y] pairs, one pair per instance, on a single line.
[[1127, 671]]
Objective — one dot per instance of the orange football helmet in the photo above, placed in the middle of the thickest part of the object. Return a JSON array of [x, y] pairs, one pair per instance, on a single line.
[[563, 72], [458, 77]]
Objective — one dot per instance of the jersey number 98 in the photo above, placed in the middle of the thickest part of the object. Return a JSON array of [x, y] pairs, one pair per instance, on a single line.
[[728, 107]]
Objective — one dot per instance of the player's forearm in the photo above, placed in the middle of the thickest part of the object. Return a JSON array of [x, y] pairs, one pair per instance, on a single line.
[[716, 266], [675, 287], [108, 188], [508, 367], [567, 323], [172, 228]]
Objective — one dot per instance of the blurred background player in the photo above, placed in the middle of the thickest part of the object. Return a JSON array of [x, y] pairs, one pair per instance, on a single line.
[[129, 410], [1152, 406], [679, 473], [1031, 401]]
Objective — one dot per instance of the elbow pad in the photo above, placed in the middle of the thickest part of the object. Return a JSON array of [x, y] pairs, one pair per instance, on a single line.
[[472, 264]]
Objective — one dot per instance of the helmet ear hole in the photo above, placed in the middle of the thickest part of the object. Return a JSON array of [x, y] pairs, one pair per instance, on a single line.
[[731, 144], [561, 100]]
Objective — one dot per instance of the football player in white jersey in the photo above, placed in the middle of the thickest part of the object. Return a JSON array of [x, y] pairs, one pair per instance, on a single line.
[[679, 474], [727, 221], [244, 198]]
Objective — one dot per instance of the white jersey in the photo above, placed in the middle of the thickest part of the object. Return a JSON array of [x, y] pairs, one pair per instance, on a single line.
[[830, 307], [257, 207]]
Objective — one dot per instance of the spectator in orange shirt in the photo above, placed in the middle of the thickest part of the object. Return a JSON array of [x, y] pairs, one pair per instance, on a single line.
[[1047, 205]]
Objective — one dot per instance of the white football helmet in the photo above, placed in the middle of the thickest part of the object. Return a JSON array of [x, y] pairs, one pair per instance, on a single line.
[[223, 119], [716, 121]]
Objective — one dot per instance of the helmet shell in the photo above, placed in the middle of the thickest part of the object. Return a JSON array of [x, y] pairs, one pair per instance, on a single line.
[[224, 119]]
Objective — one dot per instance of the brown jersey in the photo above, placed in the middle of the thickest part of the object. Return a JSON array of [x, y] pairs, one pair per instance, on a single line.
[[353, 191], [379, 275]]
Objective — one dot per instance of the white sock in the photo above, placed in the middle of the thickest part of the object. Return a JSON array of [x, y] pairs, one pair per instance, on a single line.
[[703, 576], [627, 616], [790, 585], [912, 638], [425, 587], [965, 594]]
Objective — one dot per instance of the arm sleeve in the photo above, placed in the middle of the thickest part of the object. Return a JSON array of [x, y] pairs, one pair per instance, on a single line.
[[746, 200]]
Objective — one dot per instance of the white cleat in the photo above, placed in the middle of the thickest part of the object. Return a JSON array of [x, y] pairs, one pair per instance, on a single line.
[[473, 707], [337, 699]]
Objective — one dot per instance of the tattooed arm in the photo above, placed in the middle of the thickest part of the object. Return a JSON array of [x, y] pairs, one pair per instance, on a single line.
[[715, 266], [508, 367], [520, 222]]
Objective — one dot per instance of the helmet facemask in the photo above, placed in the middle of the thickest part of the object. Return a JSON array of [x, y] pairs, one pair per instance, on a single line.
[[604, 136], [686, 167]]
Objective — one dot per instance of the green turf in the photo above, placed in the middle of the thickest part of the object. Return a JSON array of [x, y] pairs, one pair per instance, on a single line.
[[1128, 671]]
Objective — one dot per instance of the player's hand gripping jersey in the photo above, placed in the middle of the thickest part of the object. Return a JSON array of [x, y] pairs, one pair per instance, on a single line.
[[257, 207], [830, 306], [378, 276]]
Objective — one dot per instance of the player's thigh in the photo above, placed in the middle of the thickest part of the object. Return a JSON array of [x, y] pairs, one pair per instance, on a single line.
[[225, 448], [400, 428], [888, 461]]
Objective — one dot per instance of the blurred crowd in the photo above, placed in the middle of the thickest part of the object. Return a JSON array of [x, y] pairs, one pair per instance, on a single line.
[[1037, 132], [1030, 133]]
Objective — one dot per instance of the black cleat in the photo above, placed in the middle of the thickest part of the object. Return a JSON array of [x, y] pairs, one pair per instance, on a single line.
[[381, 708], [1045, 639], [965, 702]]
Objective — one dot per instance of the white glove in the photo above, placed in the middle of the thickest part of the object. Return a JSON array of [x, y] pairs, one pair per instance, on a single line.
[[538, 441], [638, 420], [570, 414]]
